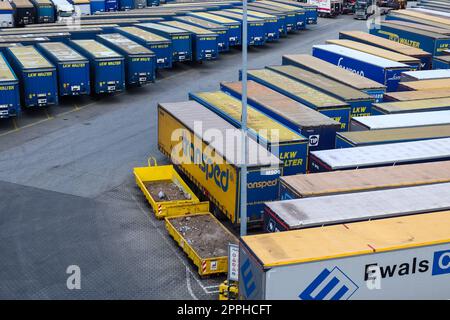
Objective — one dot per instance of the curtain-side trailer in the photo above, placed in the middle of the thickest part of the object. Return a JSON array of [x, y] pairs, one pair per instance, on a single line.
[[400, 120], [72, 68], [359, 102], [350, 181], [389, 154], [381, 70], [140, 62], [329, 70], [370, 39], [9, 90], [214, 166], [221, 31], [204, 42], [107, 66], [234, 27], [383, 136], [326, 210], [181, 39], [306, 94], [162, 47], [289, 146], [37, 76], [397, 258]]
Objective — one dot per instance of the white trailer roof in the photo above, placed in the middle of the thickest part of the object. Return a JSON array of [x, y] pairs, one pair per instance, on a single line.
[[428, 74], [358, 55], [191, 113], [342, 208], [391, 121], [385, 153]]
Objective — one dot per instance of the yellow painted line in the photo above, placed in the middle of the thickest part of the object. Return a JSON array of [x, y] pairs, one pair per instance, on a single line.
[[15, 124]]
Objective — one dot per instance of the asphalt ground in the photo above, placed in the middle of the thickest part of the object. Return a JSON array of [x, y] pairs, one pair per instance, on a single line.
[[69, 196]]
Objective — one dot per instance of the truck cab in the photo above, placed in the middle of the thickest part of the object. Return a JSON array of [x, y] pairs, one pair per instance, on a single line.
[[364, 9], [64, 10]]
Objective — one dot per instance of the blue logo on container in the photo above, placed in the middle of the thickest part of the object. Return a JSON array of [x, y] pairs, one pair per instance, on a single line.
[[247, 278], [441, 262], [330, 285]]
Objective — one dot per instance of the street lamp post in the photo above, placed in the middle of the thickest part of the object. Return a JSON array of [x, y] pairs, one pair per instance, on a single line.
[[244, 146]]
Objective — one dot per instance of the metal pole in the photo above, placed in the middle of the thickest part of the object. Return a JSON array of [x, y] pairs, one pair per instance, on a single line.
[[244, 123]]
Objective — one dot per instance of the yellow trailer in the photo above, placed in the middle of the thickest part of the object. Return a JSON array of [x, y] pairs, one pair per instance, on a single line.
[[166, 191], [204, 239]]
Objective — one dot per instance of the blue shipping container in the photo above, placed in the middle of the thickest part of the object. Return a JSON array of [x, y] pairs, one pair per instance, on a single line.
[[433, 43], [318, 128], [359, 102], [282, 21], [72, 68], [204, 42], [310, 10], [255, 27], [181, 39], [271, 24], [290, 16], [380, 155], [331, 71], [140, 62], [126, 5], [381, 70], [302, 16], [221, 31], [162, 47], [287, 145], [37, 76], [9, 89], [107, 66], [441, 62], [234, 27]]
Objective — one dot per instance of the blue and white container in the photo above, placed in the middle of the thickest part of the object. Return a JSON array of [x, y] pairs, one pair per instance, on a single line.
[[381, 70]]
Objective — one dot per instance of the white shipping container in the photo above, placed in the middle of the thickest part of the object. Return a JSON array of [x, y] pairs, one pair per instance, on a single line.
[[425, 75], [404, 120], [397, 258]]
